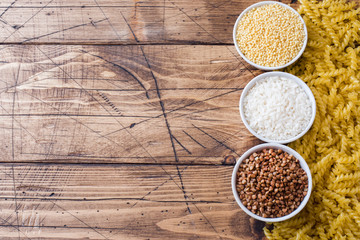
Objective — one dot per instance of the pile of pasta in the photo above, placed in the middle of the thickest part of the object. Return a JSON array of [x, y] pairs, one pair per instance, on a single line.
[[330, 66]]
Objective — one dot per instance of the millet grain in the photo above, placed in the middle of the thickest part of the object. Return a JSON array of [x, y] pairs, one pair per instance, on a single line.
[[270, 35]]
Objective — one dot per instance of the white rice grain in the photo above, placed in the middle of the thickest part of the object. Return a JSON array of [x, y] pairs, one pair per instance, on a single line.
[[277, 108]]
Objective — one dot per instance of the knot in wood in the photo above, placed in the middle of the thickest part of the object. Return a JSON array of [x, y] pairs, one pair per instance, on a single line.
[[229, 160]]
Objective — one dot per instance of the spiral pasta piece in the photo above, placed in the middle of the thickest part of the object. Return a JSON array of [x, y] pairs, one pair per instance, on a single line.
[[330, 67]]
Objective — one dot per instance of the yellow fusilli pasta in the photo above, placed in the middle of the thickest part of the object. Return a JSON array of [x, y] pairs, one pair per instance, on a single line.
[[330, 67]]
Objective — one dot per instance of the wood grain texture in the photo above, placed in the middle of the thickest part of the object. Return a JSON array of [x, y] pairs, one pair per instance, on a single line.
[[119, 120], [124, 104], [120, 202], [120, 22]]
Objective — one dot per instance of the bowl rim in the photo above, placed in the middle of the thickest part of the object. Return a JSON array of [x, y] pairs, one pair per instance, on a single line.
[[264, 67], [291, 77], [303, 165]]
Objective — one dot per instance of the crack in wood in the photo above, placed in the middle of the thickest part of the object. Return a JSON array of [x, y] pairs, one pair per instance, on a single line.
[[64, 30], [197, 142], [168, 128], [207, 220], [117, 198], [183, 189], [182, 145], [216, 140], [177, 109], [131, 30], [13, 149], [27, 21], [155, 189], [9, 224], [7, 8], [108, 102], [122, 68]]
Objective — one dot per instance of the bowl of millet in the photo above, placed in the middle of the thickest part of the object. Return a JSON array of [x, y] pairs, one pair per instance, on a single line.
[[270, 35], [271, 182]]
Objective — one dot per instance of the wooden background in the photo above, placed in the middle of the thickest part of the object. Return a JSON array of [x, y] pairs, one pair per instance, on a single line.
[[119, 120]]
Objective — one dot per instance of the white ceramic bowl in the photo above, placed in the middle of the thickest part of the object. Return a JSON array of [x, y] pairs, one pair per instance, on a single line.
[[284, 75], [264, 67], [303, 165]]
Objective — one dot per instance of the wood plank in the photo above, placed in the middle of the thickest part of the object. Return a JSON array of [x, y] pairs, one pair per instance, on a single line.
[[123, 104], [124, 22], [121, 202]]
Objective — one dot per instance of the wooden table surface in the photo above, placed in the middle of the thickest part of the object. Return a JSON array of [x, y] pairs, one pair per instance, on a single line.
[[119, 120]]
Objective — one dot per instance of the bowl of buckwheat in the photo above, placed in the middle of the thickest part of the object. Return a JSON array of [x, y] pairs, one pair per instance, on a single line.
[[271, 182]]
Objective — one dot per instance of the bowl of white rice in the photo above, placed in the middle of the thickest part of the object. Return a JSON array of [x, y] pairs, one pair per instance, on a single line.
[[277, 107]]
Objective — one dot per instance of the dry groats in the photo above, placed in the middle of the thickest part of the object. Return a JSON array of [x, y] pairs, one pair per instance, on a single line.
[[270, 35], [271, 183]]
